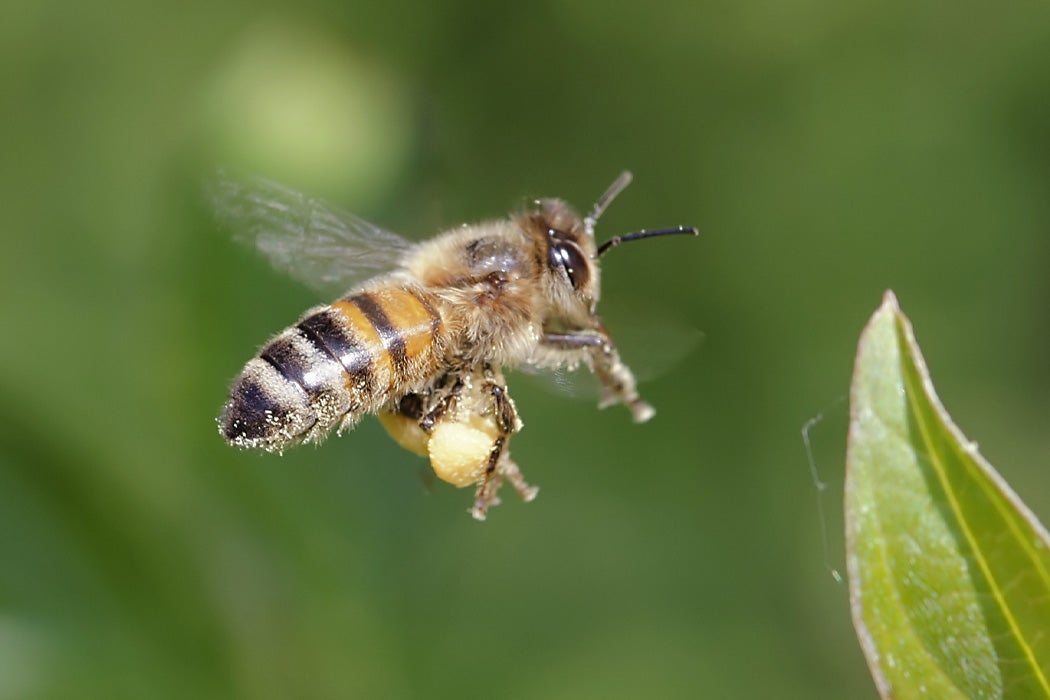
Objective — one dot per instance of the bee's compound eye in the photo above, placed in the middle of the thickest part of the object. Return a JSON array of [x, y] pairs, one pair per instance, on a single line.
[[567, 255]]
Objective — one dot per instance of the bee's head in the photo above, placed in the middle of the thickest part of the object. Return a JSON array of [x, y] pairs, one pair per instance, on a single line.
[[571, 252], [567, 248]]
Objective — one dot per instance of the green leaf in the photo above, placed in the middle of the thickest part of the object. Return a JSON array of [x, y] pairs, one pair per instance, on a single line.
[[949, 572]]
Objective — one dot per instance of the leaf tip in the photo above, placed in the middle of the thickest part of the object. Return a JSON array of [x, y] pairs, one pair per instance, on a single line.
[[889, 302]]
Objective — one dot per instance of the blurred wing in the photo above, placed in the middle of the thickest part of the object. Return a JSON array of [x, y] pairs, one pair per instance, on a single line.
[[576, 383], [634, 341], [318, 245]]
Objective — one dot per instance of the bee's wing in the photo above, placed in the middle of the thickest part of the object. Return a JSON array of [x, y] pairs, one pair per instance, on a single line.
[[575, 383], [633, 331], [318, 245]]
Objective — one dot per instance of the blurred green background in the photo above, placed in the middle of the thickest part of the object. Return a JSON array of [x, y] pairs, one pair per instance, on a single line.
[[828, 151]]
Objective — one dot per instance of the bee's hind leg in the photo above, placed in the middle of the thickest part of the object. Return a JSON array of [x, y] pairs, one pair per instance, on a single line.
[[500, 465]]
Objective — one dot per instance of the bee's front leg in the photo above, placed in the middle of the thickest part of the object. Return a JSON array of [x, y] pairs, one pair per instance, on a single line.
[[600, 354], [500, 466]]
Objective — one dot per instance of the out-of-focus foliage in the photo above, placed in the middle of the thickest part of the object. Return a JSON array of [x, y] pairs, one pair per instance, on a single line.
[[826, 150], [948, 569]]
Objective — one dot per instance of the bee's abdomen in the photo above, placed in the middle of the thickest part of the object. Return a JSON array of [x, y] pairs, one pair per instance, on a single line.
[[340, 362]]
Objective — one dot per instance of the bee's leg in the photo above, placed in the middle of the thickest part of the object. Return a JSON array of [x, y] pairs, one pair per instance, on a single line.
[[618, 383], [442, 399], [500, 465], [485, 496]]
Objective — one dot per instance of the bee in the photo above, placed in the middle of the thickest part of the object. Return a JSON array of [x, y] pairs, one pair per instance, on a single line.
[[423, 335]]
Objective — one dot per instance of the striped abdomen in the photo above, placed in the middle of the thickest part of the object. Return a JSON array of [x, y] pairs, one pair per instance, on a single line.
[[340, 362]]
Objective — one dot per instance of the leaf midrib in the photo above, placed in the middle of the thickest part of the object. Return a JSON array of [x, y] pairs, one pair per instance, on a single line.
[[937, 462]]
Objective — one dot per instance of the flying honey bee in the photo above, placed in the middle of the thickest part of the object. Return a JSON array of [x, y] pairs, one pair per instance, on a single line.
[[426, 329]]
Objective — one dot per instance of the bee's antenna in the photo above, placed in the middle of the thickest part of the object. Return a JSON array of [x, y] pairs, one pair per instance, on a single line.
[[617, 240], [610, 194]]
